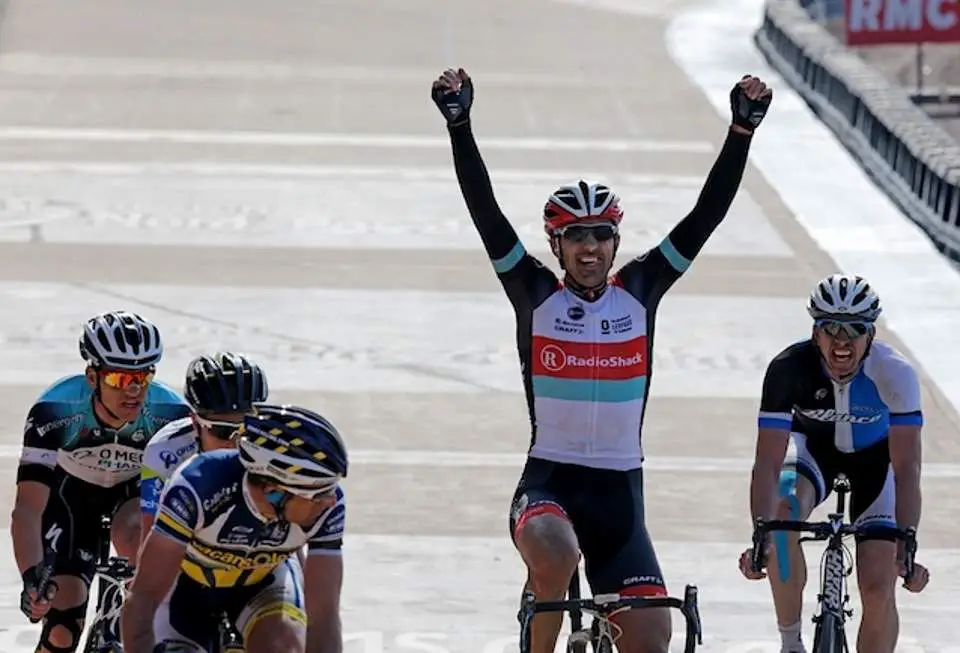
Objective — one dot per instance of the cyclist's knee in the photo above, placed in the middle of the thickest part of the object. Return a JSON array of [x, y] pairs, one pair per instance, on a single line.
[[876, 574], [61, 629], [277, 634], [72, 592], [548, 545], [877, 595], [644, 631], [125, 531]]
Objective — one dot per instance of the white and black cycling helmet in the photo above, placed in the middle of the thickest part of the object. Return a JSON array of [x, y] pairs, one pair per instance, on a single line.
[[224, 383], [121, 340], [293, 447], [844, 297], [581, 201]]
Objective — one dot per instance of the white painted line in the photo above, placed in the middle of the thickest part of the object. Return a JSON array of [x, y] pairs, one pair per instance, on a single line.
[[220, 206], [319, 139], [654, 463], [406, 173], [35, 64], [325, 339]]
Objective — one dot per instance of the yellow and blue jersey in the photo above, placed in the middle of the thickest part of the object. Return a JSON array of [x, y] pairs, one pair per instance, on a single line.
[[229, 543]]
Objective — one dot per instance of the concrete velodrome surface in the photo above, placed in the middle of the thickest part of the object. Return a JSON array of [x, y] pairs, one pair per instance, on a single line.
[[275, 179]]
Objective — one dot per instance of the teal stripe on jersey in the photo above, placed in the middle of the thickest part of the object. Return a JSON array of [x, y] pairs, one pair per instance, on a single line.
[[679, 262], [589, 389], [507, 263]]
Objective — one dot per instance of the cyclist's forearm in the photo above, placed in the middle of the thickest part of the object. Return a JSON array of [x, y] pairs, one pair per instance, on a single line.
[[25, 530], [716, 197], [764, 482], [498, 235], [908, 496], [136, 623]]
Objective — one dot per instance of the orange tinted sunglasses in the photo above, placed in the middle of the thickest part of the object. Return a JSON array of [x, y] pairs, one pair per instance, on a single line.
[[123, 380]]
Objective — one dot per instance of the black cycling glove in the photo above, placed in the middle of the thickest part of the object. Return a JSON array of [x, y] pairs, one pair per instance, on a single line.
[[748, 113], [33, 578], [455, 105]]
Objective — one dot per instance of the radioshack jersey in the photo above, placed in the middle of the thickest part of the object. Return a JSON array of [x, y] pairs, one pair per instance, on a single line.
[[63, 431], [206, 505], [587, 365], [172, 444], [799, 396]]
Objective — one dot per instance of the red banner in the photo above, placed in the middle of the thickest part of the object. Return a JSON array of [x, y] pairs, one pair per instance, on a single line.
[[880, 22]]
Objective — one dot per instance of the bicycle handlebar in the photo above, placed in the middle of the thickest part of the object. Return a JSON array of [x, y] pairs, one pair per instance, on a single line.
[[46, 586], [605, 604], [824, 531]]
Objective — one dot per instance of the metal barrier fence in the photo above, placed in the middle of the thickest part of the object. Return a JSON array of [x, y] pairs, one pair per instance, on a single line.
[[915, 161]]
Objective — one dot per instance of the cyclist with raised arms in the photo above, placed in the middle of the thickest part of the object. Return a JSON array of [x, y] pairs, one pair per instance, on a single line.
[[82, 449], [220, 389], [585, 348], [840, 401], [226, 539]]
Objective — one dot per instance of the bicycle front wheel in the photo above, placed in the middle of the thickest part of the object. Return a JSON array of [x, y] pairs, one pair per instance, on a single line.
[[829, 636]]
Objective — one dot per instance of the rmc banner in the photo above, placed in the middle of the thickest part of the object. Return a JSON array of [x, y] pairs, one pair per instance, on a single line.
[[881, 22]]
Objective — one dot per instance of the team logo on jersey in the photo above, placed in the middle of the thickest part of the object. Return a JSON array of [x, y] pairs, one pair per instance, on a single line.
[[181, 503], [43, 429], [169, 459], [832, 415], [577, 360], [220, 497], [616, 325]]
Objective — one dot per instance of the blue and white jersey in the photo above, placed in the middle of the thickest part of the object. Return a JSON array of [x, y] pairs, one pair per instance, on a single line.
[[206, 505], [62, 430], [173, 444], [800, 397]]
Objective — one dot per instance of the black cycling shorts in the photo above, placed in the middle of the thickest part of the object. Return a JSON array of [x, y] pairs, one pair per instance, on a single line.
[[605, 508], [872, 499], [71, 521]]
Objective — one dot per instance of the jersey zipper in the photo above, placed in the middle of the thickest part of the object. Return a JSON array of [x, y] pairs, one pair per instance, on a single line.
[[594, 386], [838, 401]]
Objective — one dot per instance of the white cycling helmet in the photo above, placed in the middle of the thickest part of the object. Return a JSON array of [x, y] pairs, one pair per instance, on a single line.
[[844, 297], [121, 340], [581, 201]]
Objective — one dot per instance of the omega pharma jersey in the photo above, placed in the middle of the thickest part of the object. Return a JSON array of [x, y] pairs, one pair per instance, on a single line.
[[586, 366], [63, 430]]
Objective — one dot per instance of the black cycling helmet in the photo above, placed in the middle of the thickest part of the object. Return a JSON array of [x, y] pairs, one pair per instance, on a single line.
[[224, 383]]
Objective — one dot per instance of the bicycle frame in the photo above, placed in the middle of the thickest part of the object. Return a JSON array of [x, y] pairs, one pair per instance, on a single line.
[[603, 605], [112, 576], [829, 633]]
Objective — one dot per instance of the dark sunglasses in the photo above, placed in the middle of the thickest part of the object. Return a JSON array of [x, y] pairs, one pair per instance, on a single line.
[[848, 330], [578, 233]]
